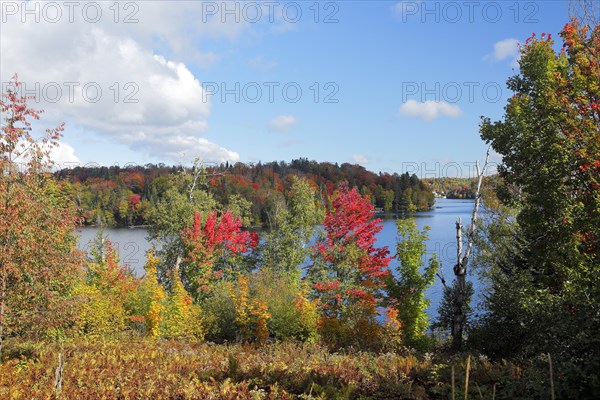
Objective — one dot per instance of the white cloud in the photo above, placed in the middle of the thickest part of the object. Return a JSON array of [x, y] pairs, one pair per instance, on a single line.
[[282, 123], [506, 49], [150, 102], [188, 148], [360, 159], [63, 155], [429, 110]]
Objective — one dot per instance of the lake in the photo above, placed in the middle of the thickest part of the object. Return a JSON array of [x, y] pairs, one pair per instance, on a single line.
[[442, 242], [133, 243]]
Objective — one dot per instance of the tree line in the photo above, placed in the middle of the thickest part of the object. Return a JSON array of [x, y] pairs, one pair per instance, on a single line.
[[453, 188], [115, 196]]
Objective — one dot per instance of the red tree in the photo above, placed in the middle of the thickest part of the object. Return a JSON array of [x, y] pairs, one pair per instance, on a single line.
[[348, 268], [134, 201], [210, 244]]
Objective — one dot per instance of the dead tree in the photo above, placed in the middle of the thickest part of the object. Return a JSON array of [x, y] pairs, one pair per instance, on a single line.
[[460, 269]]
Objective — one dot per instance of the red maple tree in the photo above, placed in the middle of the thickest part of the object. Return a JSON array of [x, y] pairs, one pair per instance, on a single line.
[[209, 242], [348, 268]]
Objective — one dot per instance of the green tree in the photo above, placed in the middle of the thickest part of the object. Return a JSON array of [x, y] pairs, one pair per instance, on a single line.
[[388, 200], [240, 208], [549, 139], [285, 249], [406, 289], [174, 211]]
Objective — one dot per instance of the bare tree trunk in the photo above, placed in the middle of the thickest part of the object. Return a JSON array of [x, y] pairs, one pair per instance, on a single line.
[[58, 373], [199, 176], [460, 271], [459, 318]]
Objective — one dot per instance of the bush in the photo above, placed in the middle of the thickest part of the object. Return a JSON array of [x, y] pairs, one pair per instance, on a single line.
[[219, 315], [98, 315], [180, 317], [293, 315]]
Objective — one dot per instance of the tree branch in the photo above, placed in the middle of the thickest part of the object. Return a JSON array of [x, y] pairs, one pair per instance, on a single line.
[[473, 227]]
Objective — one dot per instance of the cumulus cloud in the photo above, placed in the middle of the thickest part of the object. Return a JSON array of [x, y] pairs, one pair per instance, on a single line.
[[63, 155], [106, 77], [189, 147], [506, 49], [282, 123], [360, 159], [429, 110]]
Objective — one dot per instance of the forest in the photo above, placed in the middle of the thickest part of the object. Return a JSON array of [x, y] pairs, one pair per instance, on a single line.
[[221, 313], [114, 196]]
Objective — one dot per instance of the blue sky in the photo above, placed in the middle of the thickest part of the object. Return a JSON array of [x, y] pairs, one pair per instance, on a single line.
[[394, 86]]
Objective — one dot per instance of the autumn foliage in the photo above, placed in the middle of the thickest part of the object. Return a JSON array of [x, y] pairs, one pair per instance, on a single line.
[[206, 243], [252, 312], [349, 270], [182, 318], [39, 264], [105, 294], [151, 297]]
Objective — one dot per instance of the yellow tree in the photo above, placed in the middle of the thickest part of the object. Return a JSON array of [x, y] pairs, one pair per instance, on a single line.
[[153, 296], [181, 316], [106, 295]]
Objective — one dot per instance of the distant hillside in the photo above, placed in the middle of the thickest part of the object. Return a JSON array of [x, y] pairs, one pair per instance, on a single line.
[[453, 188], [126, 196]]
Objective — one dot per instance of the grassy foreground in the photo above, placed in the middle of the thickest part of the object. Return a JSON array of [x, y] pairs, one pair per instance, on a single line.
[[142, 369]]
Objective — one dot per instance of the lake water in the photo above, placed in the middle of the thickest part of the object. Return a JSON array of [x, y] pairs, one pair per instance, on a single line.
[[133, 243], [442, 242]]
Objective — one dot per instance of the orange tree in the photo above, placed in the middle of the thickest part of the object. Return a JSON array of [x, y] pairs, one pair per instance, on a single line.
[[348, 271], [38, 260]]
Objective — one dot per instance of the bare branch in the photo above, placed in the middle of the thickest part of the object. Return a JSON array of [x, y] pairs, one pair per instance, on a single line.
[[441, 276], [198, 171], [460, 269], [473, 226], [587, 11], [196, 174]]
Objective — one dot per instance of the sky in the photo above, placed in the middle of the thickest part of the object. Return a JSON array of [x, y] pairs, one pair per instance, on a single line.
[[393, 86]]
